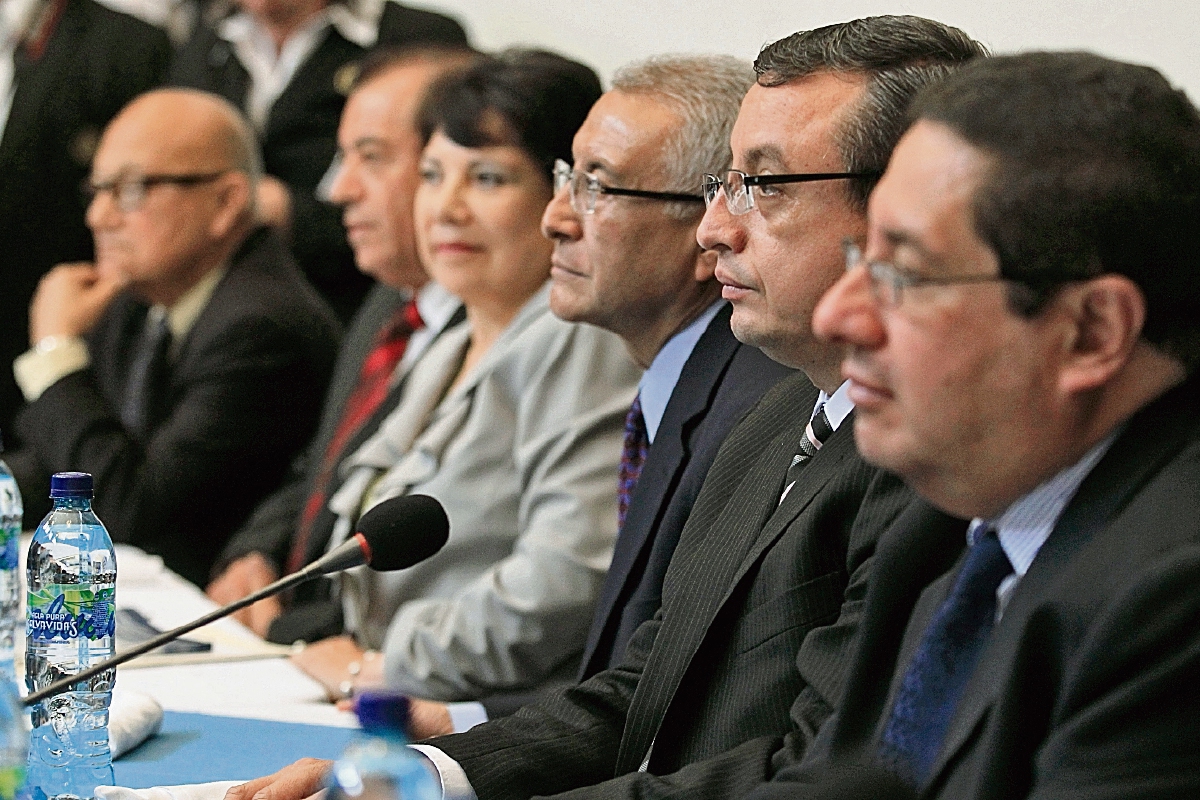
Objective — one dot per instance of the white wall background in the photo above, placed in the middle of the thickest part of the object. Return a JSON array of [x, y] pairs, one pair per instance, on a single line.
[[608, 33]]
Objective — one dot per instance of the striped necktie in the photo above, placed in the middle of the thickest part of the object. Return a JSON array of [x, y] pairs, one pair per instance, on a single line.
[[816, 433]]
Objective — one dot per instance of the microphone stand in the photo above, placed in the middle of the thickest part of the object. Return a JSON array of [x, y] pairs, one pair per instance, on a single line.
[[314, 570]]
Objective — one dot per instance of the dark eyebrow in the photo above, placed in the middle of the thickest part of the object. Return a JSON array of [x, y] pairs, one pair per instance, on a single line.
[[755, 157]]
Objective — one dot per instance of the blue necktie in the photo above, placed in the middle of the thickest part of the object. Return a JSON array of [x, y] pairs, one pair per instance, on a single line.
[[943, 663]]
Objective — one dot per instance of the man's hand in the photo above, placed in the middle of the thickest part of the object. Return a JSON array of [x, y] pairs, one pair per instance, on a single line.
[[273, 203], [428, 718], [300, 780], [341, 666], [70, 300], [244, 577]]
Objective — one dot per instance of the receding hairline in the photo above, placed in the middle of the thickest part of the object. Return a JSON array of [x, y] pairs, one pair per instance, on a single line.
[[212, 121]]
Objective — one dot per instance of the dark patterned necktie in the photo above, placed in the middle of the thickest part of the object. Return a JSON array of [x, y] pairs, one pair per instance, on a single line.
[[374, 380], [633, 456], [816, 433], [147, 375], [942, 664]]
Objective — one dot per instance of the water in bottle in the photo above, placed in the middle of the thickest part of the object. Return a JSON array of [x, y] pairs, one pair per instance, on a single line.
[[378, 765], [72, 575], [11, 512]]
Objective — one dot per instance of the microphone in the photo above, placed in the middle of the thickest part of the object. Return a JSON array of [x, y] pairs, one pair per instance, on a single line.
[[396, 534]]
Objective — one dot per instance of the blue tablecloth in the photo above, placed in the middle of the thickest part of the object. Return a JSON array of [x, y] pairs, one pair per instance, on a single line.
[[197, 748]]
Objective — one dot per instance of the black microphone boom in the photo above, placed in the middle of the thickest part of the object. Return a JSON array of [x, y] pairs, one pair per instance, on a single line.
[[396, 534]]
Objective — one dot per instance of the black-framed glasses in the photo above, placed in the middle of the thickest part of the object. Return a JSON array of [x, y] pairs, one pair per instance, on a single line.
[[129, 191], [888, 282], [585, 188], [739, 187]]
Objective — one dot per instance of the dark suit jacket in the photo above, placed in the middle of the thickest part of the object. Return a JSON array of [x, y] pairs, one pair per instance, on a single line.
[[1088, 686], [721, 380], [301, 132], [703, 694], [241, 398], [95, 61]]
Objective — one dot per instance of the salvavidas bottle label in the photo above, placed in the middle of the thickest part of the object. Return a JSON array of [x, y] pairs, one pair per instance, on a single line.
[[70, 610]]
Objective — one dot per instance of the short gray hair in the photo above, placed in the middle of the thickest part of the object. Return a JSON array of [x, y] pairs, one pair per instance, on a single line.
[[706, 92]]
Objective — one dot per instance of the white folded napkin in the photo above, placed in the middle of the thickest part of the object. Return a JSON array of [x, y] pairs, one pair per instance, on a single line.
[[192, 791], [133, 717]]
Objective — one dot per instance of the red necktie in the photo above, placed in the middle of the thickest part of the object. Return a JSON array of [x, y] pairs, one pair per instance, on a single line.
[[369, 393]]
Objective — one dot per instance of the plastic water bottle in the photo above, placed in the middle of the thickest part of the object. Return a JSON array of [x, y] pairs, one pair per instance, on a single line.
[[14, 744], [11, 512], [72, 574], [379, 765]]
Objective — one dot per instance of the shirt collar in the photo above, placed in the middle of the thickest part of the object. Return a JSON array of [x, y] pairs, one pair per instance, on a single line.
[[357, 21], [837, 406], [181, 317], [1026, 524], [658, 382], [436, 305]]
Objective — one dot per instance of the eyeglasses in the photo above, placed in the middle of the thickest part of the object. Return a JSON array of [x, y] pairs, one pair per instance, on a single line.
[[739, 187], [888, 281], [129, 191], [585, 188]]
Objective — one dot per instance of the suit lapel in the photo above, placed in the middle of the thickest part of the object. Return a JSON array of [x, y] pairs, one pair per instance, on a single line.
[[709, 575], [689, 403], [1149, 441]]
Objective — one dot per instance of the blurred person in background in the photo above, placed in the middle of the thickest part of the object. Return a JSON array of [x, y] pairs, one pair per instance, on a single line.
[[66, 68], [184, 368], [289, 64]]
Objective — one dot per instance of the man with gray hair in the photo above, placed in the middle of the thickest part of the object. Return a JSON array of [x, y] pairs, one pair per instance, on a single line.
[[743, 662], [184, 369], [623, 221]]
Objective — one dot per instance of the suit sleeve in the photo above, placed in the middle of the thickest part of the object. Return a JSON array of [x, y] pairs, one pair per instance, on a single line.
[[526, 618]]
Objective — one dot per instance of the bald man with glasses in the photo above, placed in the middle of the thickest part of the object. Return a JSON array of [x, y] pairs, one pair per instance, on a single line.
[[185, 367]]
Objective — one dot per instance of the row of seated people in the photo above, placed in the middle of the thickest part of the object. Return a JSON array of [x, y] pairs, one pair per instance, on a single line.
[[728, 619], [983, 270], [287, 64]]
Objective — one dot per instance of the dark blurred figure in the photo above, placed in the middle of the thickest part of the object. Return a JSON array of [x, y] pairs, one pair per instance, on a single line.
[[71, 65], [289, 65], [185, 368]]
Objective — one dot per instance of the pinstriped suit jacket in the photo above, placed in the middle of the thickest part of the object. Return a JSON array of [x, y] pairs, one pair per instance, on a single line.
[[744, 660]]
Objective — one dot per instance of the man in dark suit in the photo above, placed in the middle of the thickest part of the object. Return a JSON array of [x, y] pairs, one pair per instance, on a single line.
[[75, 64], [1022, 340], [374, 185], [631, 265], [184, 369], [742, 663], [297, 117]]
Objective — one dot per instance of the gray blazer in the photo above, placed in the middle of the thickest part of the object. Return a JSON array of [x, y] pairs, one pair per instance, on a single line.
[[523, 454]]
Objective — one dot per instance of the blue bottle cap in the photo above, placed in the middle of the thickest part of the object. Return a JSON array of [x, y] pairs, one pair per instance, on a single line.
[[71, 484], [381, 710]]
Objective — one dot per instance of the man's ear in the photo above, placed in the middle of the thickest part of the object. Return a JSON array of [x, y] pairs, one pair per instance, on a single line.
[[233, 203], [1107, 314]]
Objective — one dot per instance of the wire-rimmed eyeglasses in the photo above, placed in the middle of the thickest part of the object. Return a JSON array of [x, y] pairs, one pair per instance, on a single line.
[[739, 187], [888, 282], [129, 191], [585, 188]]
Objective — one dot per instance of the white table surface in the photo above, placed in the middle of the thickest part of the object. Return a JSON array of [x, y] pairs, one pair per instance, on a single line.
[[257, 682]]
